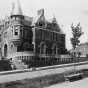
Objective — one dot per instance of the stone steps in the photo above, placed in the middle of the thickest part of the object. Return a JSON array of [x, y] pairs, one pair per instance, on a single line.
[[18, 64]]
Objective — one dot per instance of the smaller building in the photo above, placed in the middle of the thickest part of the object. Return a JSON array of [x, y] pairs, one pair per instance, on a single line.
[[81, 50]]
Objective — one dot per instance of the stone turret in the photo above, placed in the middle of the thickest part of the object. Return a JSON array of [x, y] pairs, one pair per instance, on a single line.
[[16, 8]]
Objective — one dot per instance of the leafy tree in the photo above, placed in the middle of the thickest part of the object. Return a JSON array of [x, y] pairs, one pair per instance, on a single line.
[[76, 32]]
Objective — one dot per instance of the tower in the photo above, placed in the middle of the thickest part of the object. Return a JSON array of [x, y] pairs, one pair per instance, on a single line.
[[16, 8], [17, 34]]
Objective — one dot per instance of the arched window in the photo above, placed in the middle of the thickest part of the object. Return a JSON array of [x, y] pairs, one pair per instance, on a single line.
[[43, 48], [16, 31]]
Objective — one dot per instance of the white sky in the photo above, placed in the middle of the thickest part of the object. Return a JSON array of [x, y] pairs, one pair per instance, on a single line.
[[66, 12]]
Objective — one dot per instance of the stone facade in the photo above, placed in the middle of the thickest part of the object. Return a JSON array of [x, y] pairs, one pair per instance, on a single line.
[[50, 41], [24, 36]]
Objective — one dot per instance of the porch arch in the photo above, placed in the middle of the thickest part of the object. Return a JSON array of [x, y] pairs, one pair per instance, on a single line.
[[5, 50]]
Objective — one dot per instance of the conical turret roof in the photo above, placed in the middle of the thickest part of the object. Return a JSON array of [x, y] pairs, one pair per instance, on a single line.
[[16, 8]]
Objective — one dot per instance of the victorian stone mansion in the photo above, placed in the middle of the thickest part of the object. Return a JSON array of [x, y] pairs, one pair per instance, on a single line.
[[23, 37]]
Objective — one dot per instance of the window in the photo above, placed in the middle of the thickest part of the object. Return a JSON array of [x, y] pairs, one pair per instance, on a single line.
[[0, 38], [43, 48], [41, 23], [54, 49], [25, 34], [53, 36], [16, 31], [43, 35]]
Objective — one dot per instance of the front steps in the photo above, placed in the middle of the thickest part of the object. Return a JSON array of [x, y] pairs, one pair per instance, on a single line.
[[18, 64]]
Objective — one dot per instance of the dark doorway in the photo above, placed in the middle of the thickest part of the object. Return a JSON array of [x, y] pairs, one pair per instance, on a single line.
[[5, 50]]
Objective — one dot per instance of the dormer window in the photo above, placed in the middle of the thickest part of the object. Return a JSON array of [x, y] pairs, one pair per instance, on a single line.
[[41, 24]]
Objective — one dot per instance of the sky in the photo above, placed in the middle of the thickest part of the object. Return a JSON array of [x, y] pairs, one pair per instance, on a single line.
[[65, 11]]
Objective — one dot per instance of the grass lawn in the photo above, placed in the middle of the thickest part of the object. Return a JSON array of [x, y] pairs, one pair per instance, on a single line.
[[35, 83], [39, 82]]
